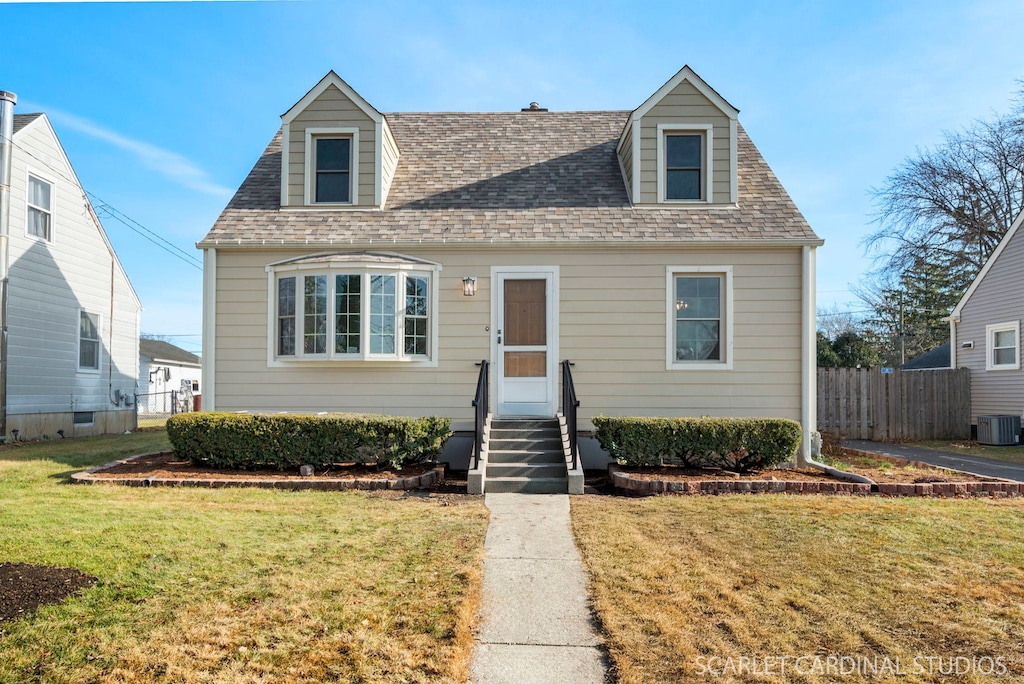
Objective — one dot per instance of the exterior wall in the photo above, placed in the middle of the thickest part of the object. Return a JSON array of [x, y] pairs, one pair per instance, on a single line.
[[612, 310], [389, 161], [152, 383], [684, 105], [999, 298], [626, 157], [40, 425], [331, 109], [50, 282]]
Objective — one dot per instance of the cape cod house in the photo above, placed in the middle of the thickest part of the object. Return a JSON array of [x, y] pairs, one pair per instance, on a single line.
[[985, 329], [69, 361], [370, 262]]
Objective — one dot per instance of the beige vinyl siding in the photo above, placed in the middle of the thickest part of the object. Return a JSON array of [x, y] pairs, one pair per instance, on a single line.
[[626, 158], [612, 310], [331, 110], [50, 282], [685, 105], [999, 298], [389, 161]]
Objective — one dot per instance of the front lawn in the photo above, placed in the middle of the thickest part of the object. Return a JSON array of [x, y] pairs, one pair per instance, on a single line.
[[234, 585], [684, 584], [1014, 454]]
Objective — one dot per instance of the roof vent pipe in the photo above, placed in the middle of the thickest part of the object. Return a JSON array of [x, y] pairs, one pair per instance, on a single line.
[[7, 102], [534, 107]]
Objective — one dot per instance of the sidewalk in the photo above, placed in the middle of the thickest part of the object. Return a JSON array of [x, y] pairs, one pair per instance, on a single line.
[[978, 465], [536, 624]]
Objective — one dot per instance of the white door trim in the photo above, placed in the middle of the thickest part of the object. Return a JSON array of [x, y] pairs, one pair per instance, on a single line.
[[498, 274]]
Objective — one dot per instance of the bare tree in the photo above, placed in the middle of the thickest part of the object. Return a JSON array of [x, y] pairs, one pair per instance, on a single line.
[[837, 320], [950, 205]]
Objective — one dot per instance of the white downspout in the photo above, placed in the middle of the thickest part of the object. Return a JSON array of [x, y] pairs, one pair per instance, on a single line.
[[7, 102], [809, 375]]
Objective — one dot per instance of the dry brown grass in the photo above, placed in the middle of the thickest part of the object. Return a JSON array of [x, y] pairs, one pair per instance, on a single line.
[[675, 579], [235, 586]]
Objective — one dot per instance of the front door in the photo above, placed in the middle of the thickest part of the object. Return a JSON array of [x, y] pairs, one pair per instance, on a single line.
[[524, 337]]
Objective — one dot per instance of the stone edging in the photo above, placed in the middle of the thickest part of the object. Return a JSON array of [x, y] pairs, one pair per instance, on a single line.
[[427, 479], [632, 485]]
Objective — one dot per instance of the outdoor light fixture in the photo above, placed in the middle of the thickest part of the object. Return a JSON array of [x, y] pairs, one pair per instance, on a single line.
[[469, 286]]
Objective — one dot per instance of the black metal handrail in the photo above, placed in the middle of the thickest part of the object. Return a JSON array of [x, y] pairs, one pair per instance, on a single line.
[[569, 405], [481, 402]]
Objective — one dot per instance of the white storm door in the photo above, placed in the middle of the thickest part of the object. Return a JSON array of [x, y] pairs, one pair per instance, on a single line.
[[524, 336]]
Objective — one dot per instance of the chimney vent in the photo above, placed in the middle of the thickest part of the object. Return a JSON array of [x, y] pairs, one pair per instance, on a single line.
[[534, 107]]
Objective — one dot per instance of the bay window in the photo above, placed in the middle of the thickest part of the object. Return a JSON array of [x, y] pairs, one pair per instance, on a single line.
[[356, 307]]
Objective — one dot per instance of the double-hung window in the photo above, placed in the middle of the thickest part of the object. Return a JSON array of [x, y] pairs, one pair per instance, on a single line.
[[88, 341], [684, 163], [699, 319], [332, 165], [1003, 348], [40, 208], [354, 307]]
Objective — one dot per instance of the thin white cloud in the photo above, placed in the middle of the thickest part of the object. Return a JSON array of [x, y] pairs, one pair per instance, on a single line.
[[171, 164]]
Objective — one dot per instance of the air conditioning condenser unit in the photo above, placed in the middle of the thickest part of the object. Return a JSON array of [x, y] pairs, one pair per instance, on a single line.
[[999, 430]]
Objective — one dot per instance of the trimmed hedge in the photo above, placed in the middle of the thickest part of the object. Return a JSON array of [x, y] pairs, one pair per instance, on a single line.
[[739, 444], [283, 442]]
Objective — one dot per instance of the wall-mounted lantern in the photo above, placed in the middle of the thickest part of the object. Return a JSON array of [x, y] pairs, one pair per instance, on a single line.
[[469, 286]]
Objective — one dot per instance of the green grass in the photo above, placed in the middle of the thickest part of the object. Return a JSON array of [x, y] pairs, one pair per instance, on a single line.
[[1014, 454], [677, 579], [233, 585]]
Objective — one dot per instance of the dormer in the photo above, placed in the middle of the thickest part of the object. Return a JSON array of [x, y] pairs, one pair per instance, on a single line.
[[337, 150], [679, 147]]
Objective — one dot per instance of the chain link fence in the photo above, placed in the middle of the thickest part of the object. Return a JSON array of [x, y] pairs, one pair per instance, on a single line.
[[153, 409]]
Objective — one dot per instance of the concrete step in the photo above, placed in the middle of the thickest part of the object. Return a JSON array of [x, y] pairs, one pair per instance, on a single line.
[[527, 485], [531, 470], [516, 456], [524, 424], [514, 444]]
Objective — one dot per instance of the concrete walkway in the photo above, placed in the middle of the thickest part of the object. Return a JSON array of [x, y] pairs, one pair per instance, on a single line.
[[536, 624], [979, 465]]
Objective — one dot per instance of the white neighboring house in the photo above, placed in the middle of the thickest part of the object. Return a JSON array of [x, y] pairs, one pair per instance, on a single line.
[[72, 316], [163, 369], [985, 328]]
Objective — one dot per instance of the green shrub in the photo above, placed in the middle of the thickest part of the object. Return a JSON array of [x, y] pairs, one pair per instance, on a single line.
[[283, 442], [739, 444]]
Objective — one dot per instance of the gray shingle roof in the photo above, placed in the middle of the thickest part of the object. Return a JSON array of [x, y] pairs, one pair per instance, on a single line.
[[22, 120], [165, 351], [509, 177]]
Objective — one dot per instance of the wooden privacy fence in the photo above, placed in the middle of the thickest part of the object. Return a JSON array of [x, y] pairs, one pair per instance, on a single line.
[[864, 403]]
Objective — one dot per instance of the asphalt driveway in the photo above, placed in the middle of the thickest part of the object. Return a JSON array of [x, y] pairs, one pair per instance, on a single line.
[[979, 465]]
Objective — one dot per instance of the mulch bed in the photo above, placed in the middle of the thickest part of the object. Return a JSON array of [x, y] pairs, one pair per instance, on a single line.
[[680, 474], [24, 587], [166, 464]]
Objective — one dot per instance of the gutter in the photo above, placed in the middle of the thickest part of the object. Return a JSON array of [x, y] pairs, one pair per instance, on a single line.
[[529, 244], [7, 102]]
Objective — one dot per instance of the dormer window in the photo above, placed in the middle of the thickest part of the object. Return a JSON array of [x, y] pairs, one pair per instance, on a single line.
[[684, 163], [332, 165], [682, 166], [333, 170]]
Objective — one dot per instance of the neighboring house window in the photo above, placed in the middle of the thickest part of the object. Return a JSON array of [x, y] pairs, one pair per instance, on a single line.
[[40, 208], [333, 170], [699, 317], [354, 312], [88, 341], [1003, 346], [684, 163], [332, 165]]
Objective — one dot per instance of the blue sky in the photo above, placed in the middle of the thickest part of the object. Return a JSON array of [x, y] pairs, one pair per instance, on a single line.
[[164, 107]]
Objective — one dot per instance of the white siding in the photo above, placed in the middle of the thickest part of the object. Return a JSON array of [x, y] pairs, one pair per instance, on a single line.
[[389, 161], [50, 282], [612, 325], [999, 298]]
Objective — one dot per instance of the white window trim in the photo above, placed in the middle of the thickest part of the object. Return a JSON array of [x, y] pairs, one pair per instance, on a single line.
[[331, 269], [30, 172], [78, 343], [310, 173], [707, 131], [990, 338], [670, 318]]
